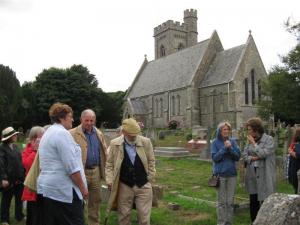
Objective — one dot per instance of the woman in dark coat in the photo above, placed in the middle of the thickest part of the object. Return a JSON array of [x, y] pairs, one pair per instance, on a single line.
[[11, 175], [294, 164]]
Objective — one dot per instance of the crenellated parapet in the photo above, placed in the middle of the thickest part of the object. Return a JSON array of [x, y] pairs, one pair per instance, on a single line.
[[170, 24], [190, 13]]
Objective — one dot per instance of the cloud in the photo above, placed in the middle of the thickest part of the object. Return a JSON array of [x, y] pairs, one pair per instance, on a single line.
[[4, 3], [15, 5]]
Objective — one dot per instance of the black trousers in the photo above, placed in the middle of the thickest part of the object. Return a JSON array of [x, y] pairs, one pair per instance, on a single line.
[[61, 213], [7, 195], [254, 206]]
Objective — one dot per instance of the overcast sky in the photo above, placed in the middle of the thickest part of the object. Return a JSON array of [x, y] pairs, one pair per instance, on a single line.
[[112, 37]]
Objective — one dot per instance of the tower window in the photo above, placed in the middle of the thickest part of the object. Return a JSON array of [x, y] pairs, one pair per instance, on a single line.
[[162, 51]]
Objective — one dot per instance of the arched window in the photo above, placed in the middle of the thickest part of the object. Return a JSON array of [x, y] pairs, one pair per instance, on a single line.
[[156, 107], [253, 86], [246, 91], [259, 90], [180, 46], [162, 50], [178, 104], [173, 105], [161, 107]]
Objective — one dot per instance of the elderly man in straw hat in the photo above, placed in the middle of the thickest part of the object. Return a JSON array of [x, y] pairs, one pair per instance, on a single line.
[[11, 175], [130, 169]]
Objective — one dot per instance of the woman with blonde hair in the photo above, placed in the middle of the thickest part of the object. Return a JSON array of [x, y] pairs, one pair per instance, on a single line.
[[225, 153]]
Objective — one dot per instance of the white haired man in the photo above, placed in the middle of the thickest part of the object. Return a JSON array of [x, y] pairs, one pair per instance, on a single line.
[[93, 147]]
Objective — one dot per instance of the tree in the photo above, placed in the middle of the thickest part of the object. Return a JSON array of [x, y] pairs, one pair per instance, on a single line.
[[112, 111], [28, 106], [75, 86], [282, 87], [9, 97]]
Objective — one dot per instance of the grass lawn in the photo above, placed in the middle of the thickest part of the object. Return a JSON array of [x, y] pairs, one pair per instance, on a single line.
[[188, 178]]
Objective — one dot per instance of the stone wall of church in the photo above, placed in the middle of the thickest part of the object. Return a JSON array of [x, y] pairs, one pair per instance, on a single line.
[[169, 106], [216, 105], [251, 64]]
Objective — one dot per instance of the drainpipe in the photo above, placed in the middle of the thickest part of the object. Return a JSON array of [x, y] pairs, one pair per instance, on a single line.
[[169, 105], [228, 96]]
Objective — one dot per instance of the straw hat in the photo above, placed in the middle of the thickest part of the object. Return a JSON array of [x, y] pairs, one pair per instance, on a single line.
[[131, 127], [8, 133]]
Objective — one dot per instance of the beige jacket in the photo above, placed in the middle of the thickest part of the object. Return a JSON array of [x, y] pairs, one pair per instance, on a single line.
[[115, 157], [80, 139]]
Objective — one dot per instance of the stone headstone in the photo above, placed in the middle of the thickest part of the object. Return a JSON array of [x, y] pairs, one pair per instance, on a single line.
[[199, 132], [171, 152], [279, 209], [173, 206], [105, 193], [158, 192]]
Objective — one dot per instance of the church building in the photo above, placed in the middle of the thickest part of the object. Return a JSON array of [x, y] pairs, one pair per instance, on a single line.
[[195, 83]]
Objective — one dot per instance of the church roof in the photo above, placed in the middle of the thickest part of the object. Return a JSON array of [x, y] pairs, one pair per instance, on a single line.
[[138, 107], [170, 72], [223, 67]]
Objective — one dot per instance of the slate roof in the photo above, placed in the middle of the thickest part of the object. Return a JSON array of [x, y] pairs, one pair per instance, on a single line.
[[170, 72], [138, 107], [223, 67]]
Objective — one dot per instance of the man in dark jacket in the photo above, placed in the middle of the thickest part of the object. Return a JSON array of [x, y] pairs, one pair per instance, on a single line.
[[11, 175]]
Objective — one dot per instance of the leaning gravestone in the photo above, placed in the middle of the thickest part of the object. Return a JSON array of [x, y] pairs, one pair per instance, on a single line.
[[279, 209]]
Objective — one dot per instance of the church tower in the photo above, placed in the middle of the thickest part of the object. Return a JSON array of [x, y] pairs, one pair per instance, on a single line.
[[171, 36], [190, 20]]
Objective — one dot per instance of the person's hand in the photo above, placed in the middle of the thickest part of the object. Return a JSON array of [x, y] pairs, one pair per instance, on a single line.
[[292, 152], [85, 193], [227, 144], [251, 140], [5, 183], [109, 186], [254, 158]]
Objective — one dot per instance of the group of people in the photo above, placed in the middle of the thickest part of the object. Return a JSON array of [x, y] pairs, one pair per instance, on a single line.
[[64, 167], [259, 162]]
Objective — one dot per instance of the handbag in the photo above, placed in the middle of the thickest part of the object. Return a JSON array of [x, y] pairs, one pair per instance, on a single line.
[[31, 178], [214, 181]]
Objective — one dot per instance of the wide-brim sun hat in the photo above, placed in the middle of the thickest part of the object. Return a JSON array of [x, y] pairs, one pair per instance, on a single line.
[[131, 127], [8, 133]]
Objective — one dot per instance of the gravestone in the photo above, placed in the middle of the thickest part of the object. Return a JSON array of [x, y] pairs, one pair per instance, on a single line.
[[199, 142], [279, 209], [171, 152]]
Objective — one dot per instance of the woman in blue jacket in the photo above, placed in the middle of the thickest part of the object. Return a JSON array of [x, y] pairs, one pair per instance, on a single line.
[[225, 152]]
